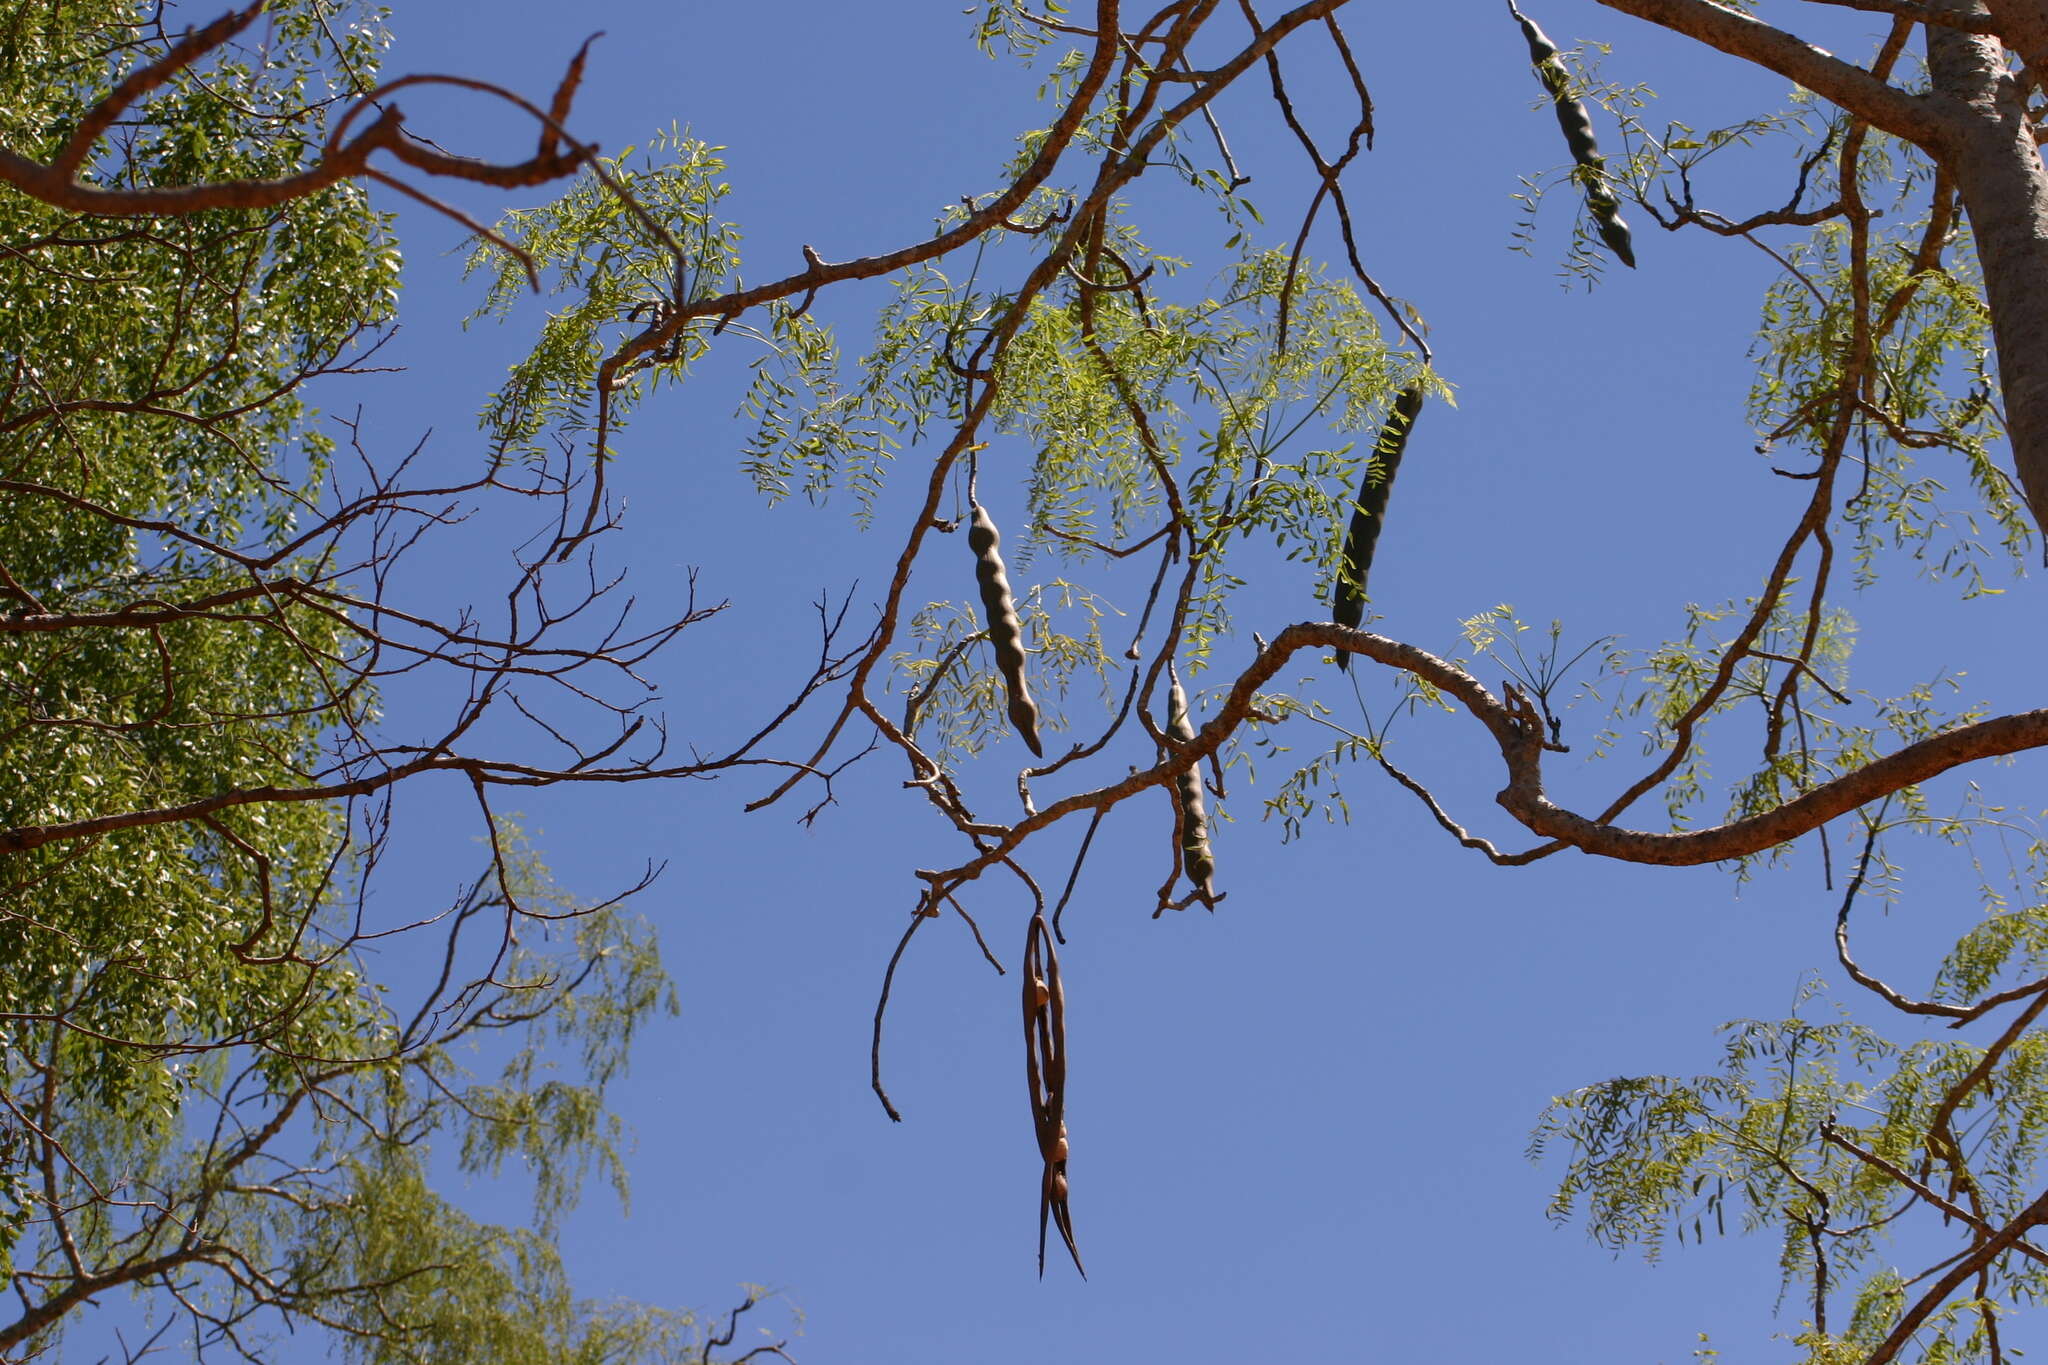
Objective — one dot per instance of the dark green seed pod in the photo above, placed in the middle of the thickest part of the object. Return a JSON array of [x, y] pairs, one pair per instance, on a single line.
[[1614, 232], [1542, 52], [1347, 601], [1577, 125], [1196, 859], [1005, 631]]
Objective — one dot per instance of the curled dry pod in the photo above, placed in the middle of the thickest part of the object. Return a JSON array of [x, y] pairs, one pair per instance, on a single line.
[[1196, 859], [1347, 600], [1577, 125], [1005, 632]]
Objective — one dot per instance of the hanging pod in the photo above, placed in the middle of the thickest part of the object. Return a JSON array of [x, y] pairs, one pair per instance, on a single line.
[[1347, 597], [1005, 631], [1196, 859], [1045, 1072], [1577, 124]]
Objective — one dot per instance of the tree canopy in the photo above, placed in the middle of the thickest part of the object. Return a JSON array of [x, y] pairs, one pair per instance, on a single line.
[[1106, 398]]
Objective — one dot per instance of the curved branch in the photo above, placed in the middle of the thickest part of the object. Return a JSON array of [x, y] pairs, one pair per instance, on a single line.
[[1519, 733], [57, 184]]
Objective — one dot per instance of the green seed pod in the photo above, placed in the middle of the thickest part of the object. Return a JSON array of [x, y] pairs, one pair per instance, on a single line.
[[1542, 52], [1577, 125], [1196, 859], [1347, 601], [1005, 632], [1614, 232]]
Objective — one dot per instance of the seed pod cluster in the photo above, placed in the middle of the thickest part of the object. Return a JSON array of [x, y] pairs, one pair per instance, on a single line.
[[1196, 859], [1347, 597], [1578, 137], [1005, 631], [1045, 1070]]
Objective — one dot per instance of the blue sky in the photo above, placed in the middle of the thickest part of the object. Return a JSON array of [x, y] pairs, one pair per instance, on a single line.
[[1298, 1125]]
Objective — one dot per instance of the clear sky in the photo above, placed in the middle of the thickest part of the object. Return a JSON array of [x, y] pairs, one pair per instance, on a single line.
[[1299, 1124]]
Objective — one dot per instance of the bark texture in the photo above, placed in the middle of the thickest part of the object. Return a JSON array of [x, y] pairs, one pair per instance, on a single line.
[[1990, 151]]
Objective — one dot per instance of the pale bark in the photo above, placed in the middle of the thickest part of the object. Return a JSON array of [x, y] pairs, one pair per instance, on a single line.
[[2024, 25], [1998, 174]]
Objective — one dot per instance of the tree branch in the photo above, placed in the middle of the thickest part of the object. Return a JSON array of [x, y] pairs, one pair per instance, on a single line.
[[1856, 90], [1519, 733], [1908, 9], [2022, 25], [344, 158]]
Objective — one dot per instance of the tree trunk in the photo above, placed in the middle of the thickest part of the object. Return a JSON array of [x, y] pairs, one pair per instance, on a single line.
[[1998, 174]]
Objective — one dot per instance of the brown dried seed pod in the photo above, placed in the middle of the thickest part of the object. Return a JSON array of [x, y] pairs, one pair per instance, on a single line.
[[1196, 859], [1577, 125], [1045, 1073], [1347, 604], [1005, 631]]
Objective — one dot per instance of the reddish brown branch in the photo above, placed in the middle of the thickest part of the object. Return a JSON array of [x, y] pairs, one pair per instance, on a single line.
[[344, 158], [1876, 101], [1519, 734]]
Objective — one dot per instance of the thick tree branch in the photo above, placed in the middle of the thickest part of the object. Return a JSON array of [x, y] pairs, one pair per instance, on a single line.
[[1519, 733], [1909, 9], [83, 1289], [2022, 24], [1856, 90]]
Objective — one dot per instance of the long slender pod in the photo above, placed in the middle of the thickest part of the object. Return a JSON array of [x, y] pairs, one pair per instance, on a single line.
[[1347, 599], [1577, 124], [1005, 631], [1045, 1070], [1196, 859]]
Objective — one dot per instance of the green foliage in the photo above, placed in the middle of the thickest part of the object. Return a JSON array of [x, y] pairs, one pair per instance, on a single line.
[[953, 687], [1108, 406], [155, 369], [1201, 419], [1842, 1145], [625, 244], [1931, 380], [211, 1099]]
